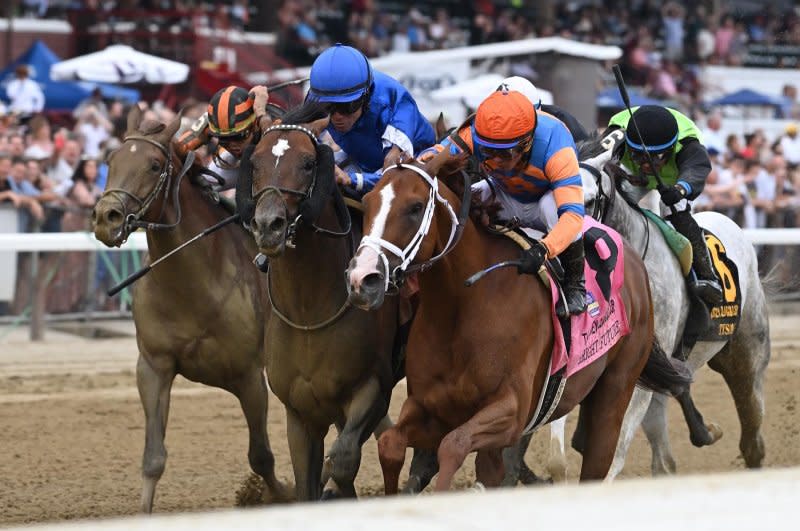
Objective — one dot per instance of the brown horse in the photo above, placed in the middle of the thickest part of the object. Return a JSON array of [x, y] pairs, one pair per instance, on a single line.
[[199, 314], [329, 363], [478, 356]]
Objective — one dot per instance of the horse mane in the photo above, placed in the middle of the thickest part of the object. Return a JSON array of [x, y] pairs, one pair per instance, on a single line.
[[304, 113], [590, 147]]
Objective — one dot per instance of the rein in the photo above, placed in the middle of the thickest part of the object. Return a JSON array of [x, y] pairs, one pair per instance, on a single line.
[[133, 219], [291, 231], [396, 276]]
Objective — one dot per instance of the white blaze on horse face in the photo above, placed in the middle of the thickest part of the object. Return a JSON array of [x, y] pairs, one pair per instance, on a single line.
[[279, 149], [367, 260], [133, 148]]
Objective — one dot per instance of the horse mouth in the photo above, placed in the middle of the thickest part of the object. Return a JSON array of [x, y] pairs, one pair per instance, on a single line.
[[367, 295], [110, 236], [271, 247]]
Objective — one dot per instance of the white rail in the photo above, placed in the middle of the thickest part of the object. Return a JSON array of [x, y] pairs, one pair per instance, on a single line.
[[85, 241], [736, 501]]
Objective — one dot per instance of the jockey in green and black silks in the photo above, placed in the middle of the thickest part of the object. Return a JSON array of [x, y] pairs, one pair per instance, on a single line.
[[682, 162]]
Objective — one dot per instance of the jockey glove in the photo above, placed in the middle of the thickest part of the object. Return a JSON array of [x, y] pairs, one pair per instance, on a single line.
[[532, 259], [672, 194]]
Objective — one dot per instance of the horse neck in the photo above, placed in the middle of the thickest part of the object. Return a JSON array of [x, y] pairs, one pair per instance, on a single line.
[[313, 271], [196, 214], [628, 221]]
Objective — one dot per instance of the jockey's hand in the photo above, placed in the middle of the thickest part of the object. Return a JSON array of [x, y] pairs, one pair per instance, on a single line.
[[261, 95], [671, 195], [532, 259], [342, 178]]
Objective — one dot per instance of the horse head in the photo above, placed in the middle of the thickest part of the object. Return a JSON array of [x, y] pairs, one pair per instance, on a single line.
[[400, 229], [139, 175], [287, 179]]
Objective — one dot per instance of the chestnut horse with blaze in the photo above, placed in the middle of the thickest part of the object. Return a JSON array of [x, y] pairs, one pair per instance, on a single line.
[[478, 357]]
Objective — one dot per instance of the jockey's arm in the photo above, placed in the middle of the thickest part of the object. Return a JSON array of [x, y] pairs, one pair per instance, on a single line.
[[194, 137], [561, 169], [694, 165]]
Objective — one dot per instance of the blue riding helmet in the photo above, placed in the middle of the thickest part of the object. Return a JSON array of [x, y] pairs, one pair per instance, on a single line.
[[339, 75]]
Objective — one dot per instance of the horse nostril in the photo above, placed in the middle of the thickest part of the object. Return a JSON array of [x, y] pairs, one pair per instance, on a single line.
[[277, 225], [114, 216], [373, 282]]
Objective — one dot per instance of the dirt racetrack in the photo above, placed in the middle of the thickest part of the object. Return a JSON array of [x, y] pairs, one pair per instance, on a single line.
[[73, 431]]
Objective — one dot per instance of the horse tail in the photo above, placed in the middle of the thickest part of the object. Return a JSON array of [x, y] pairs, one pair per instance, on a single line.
[[772, 284], [665, 374]]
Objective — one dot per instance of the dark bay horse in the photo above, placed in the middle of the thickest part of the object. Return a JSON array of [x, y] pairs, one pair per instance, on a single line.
[[477, 357], [199, 314], [329, 363]]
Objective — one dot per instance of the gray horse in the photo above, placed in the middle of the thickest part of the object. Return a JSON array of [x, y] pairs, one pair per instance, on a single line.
[[741, 360]]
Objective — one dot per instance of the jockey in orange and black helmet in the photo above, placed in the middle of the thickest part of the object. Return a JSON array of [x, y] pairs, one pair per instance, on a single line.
[[235, 118]]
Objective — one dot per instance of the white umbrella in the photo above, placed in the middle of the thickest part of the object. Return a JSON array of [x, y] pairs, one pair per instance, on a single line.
[[120, 64]]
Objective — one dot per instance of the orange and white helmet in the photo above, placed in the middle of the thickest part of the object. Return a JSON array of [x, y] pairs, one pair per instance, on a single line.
[[504, 120]]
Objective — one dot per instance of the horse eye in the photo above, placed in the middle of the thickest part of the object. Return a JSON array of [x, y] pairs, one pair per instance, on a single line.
[[416, 209], [155, 166], [308, 166]]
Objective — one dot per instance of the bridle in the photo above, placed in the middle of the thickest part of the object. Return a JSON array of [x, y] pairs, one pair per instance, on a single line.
[[304, 195], [133, 220], [395, 277]]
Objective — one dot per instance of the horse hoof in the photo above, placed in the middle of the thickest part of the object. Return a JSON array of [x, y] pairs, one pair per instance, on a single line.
[[478, 487], [412, 487], [715, 431], [328, 495]]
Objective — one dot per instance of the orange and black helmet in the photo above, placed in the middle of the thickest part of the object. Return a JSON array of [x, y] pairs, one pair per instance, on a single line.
[[230, 112]]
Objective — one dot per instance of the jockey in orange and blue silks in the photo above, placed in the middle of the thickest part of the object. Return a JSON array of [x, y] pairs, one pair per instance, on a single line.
[[532, 173], [374, 119]]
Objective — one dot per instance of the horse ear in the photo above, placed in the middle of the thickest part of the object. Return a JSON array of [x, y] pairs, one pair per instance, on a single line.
[[169, 131], [441, 126], [134, 118], [319, 126]]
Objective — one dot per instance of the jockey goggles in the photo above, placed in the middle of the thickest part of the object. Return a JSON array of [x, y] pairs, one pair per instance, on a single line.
[[505, 153], [345, 108], [641, 158]]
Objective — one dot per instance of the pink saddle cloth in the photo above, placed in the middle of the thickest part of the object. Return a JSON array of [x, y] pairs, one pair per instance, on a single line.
[[605, 320]]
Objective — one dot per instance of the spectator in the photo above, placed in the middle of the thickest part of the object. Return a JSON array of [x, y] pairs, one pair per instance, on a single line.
[[24, 94], [94, 129], [41, 144], [673, 18], [95, 100], [790, 146], [712, 138]]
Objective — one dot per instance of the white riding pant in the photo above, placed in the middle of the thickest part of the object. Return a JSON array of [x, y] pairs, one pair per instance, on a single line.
[[541, 214]]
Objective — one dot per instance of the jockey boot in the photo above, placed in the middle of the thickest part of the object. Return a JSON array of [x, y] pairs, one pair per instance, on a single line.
[[574, 284], [706, 285]]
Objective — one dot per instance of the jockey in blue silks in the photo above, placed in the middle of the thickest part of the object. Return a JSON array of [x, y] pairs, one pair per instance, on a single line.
[[374, 119]]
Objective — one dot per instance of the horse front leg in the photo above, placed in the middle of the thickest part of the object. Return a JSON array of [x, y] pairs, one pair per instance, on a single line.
[[154, 392], [412, 428], [494, 426], [363, 413], [253, 397], [306, 448]]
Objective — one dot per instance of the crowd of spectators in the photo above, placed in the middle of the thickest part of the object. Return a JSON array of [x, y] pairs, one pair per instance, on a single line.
[[52, 177], [754, 181]]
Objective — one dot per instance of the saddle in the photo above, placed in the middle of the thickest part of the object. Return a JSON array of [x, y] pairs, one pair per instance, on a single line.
[[581, 339], [703, 323]]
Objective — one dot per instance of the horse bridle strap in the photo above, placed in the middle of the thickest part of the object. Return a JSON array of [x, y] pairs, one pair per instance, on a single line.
[[307, 328], [408, 254], [132, 220], [341, 211]]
